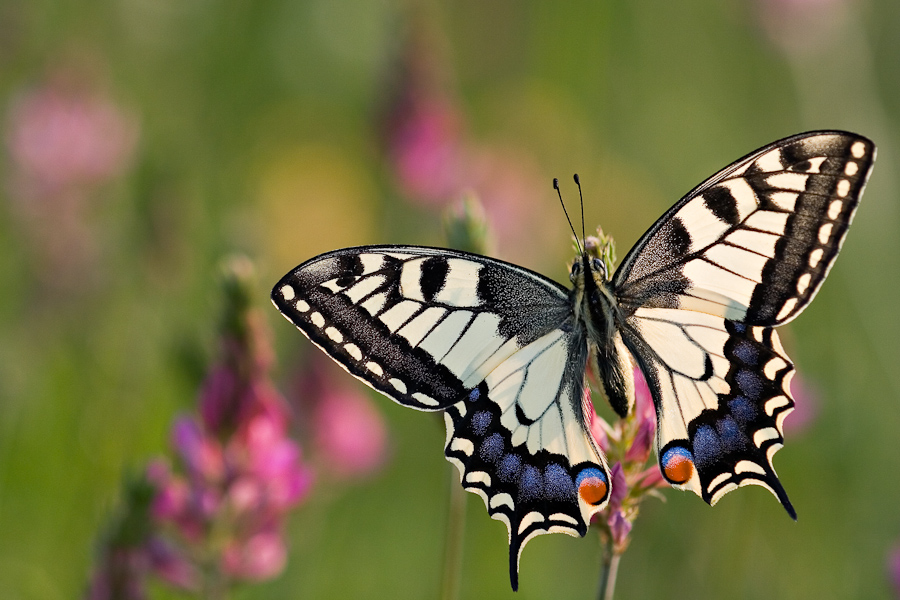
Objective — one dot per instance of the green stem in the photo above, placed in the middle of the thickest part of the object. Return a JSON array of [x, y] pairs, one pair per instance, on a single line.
[[453, 543], [608, 570], [214, 586]]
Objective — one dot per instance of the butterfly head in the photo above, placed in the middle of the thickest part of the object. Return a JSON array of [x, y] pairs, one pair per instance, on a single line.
[[588, 264]]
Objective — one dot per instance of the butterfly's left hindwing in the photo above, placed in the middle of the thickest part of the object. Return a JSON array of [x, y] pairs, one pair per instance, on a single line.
[[520, 441]]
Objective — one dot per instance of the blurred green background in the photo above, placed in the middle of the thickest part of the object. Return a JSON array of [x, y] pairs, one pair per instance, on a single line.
[[146, 139]]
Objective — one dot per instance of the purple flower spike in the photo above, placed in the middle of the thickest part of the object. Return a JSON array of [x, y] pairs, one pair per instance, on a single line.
[[619, 487], [893, 569], [619, 526], [216, 518]]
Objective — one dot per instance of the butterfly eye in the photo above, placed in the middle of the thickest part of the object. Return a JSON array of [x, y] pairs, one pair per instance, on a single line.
[[597, 265], [575, 272]]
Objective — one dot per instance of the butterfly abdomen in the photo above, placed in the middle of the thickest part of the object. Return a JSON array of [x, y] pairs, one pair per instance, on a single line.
[[599, 312]]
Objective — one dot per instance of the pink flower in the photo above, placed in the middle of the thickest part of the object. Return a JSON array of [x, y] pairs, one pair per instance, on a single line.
[[806, 406], [347, 430], [436, 162], [65, 139], [426, 151], [350, 433], [273, 462], [619, 526], [619, 487], [627, 444], [62, 135], [260, 557], [801, 27], [243, 472], [217, 517], [893, 569]]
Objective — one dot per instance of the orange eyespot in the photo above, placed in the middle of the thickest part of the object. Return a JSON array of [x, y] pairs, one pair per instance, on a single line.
[[678, 465], [592, 486]]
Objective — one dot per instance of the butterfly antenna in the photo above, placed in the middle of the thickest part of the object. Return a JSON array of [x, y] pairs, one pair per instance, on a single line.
[[581, 199], [565, 212]]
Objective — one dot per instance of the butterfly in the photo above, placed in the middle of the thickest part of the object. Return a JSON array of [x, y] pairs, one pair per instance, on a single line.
[[503, 350]]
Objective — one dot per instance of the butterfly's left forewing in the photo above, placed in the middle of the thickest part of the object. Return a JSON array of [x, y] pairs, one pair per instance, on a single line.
[[423, 326]]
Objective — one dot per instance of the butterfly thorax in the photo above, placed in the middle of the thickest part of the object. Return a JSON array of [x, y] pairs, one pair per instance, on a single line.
[[595, 307]]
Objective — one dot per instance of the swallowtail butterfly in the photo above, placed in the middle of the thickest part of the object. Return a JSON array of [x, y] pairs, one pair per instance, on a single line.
[[503, 350]]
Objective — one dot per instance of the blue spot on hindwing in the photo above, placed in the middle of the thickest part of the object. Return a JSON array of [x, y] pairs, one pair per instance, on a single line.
[[531, 485], [675, 453], [731, 435], [677, 464], [746, 352], [590, 472], [593, 486], [742, 410], [750, 383], [558, 482], [480, 422], [707, 446], [491, 448], [510, 466]]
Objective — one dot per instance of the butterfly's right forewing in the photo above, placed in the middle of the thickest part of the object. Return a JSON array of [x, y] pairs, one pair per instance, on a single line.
[[754, 242]]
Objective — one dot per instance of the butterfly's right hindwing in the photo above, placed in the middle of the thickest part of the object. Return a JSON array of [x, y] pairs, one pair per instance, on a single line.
[[722, 391], [420, 325]]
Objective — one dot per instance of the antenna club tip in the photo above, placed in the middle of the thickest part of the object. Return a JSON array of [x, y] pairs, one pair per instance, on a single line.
[[555, 183], [576, 179]]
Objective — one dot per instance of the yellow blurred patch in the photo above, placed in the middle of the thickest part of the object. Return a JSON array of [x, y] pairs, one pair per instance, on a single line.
[[312, 199]]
